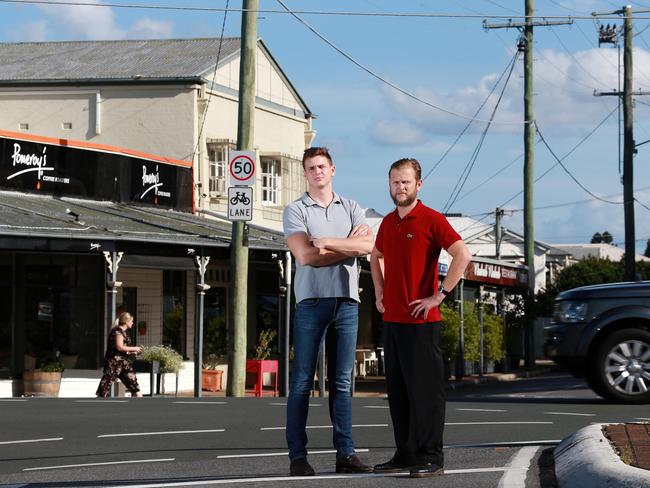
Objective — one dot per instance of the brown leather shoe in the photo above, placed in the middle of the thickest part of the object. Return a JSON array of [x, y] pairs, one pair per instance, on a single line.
[[300, 467], [351, 464]]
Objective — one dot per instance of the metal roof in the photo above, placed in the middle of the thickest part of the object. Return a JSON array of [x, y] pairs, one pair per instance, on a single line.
[[29, 215], [126, 60]]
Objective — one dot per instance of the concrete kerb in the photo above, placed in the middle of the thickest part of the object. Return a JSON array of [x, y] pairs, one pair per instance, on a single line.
[[586, 458]]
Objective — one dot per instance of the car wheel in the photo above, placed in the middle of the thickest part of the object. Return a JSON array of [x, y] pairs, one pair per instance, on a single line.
[[621, 367]]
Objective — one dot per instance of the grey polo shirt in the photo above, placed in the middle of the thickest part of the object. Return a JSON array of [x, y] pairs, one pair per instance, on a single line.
[[338, 280]]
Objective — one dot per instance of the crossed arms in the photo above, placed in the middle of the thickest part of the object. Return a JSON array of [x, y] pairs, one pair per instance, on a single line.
[[325, 251]]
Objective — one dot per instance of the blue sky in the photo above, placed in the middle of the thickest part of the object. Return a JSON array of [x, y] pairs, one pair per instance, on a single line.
[[451, 63]]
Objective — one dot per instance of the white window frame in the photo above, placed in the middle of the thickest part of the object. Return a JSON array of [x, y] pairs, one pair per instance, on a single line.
[[271, 181], [217, 184]]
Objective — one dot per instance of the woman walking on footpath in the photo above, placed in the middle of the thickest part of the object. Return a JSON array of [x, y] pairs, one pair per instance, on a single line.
[[116, 363]]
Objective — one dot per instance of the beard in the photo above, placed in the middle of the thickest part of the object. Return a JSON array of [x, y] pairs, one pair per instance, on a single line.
[[407, 201]]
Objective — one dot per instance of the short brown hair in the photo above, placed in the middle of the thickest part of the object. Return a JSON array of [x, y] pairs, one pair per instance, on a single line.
[[312, 152], [411, 163]]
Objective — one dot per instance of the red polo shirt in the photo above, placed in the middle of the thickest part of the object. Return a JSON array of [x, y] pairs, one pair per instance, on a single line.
[[411, 247]]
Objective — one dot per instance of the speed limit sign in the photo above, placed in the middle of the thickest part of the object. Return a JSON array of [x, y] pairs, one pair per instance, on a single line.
[[242, 168]]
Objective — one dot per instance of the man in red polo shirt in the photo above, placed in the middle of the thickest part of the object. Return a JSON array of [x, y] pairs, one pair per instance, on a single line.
[[409, 242]]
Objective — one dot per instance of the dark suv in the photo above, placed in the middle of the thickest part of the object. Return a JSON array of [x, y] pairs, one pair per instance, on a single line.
[[602, 332]]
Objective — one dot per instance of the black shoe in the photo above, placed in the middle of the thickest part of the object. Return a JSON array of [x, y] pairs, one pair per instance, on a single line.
[[300, 467], [351, 464], [426, 470], [391, 466]]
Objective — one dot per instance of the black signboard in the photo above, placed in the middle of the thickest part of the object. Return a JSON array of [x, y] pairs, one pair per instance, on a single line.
[[69, 168]]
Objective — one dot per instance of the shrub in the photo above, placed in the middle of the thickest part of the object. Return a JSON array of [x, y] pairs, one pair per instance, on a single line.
[[263, 349], [170, 360], [52, 367]]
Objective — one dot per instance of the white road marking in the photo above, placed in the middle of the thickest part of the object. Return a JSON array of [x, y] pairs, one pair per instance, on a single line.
[[325, 426], [515, 476], [273, 479], [272, 454], [27, 441], [571, 413], [479, 410], [376, 406], [284, 404], [642, 418], [545, 442], [203, 403], [133, 461], [495, 423], [169, 432], [12, 400], [101, 401]]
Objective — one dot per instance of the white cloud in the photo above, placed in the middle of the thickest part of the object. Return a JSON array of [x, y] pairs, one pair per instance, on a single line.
[[86, 20], [34, 31], [148, 28], [564, 96], [400, 132]]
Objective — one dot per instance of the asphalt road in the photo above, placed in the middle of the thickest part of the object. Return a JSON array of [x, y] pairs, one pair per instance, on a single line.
[[496, 435]]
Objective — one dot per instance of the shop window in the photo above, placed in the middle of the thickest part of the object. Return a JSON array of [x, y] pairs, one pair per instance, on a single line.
[[62, 310], [217, 161], [174, 324], [271, 181], [215, 324]]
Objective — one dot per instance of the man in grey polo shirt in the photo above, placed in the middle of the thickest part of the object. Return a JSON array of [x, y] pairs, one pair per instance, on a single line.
[[325, 232]]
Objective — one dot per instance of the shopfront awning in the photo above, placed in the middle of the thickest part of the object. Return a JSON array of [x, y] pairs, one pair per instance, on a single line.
[[50, 223]]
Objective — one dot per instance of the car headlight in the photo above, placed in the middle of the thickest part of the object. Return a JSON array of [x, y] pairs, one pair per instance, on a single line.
[[570, 312]]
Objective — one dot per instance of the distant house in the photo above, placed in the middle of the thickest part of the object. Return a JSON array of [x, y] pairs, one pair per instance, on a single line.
[[601, 250]]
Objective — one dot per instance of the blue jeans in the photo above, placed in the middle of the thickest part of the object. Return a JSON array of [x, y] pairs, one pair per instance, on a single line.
[[338, 320]]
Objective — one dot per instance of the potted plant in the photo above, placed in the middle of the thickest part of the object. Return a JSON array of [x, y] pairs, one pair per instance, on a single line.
[[44, 381], [211, 377], [168, 359]]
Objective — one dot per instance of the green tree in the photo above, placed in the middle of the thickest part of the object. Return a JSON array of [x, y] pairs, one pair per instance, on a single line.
[[607, 237], [597, 238], [647, 249], [587, 271]]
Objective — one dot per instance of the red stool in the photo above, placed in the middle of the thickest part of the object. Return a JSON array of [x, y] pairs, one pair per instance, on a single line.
[[258, 367]]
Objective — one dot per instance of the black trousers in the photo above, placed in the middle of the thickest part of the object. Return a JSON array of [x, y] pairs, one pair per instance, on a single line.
[[416, 391]]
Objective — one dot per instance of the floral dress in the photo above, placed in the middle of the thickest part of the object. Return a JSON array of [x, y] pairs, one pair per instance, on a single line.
[[116, 365]]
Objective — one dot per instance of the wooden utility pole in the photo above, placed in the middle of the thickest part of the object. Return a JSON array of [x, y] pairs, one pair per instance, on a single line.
[[628, 149], [525, 44], [239, 241], [609, 36]]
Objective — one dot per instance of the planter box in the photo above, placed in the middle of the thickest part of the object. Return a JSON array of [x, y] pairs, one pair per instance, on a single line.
[[211, 379], [41, 383]]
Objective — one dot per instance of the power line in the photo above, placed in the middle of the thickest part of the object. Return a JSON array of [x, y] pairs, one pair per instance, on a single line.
[[214, 74], [383, 80], [565, 156], [569, 172], [513, 60], [470, 164], [431, 15]]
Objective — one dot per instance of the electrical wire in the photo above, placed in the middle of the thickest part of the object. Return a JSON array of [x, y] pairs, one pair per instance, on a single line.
[[539, 132], [507, 68], [582, 141], [383, 80], [470, 164], [214, 75]]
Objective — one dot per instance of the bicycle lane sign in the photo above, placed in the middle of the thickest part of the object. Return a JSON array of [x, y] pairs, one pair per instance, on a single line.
[[241, 166], [240, 203]]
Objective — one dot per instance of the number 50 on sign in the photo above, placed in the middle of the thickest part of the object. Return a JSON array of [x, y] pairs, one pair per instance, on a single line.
[[242, 168]]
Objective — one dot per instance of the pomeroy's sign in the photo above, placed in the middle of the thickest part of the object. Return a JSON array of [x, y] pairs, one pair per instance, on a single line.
[[71, 168]]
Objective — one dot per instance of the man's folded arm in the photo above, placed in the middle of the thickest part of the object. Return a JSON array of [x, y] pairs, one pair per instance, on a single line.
[[307, 254]]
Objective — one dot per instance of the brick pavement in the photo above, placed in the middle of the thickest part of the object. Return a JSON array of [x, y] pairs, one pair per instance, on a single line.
[[632, 442]]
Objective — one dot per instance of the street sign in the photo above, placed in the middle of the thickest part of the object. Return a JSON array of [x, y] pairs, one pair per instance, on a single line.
[[240, 203], [242, 168]]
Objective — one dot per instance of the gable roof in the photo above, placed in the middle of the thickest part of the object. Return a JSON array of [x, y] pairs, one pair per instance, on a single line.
[[102, 61]]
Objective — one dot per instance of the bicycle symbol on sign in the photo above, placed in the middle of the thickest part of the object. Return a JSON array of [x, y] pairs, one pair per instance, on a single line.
[[240, 196]]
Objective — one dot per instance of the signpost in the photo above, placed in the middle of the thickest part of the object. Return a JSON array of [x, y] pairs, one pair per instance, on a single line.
[[241, 168]]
